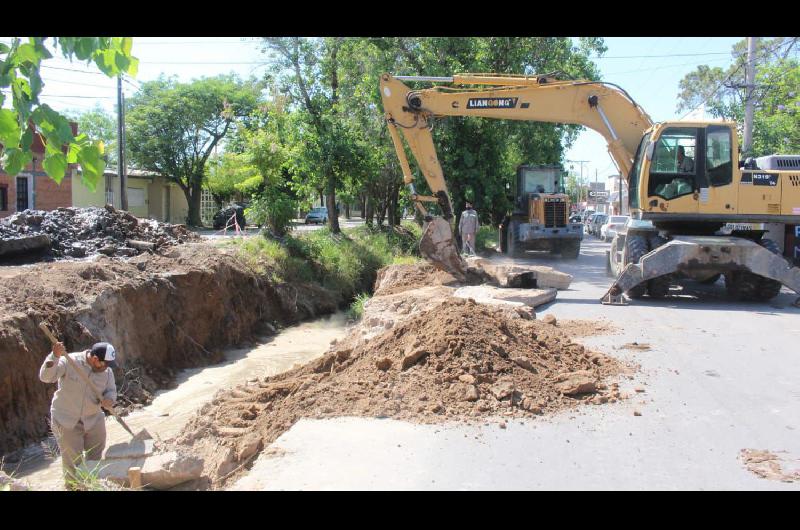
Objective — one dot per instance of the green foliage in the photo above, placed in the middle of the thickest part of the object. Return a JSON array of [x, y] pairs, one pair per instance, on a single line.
[[99, 125], [487, 239], [356, 310], [274, 260], [346, 263], [273, 208], [174, 127], [776, 126], [19, 72]]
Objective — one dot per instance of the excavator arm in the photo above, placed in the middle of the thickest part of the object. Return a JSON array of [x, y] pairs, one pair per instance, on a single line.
[[599, 106]]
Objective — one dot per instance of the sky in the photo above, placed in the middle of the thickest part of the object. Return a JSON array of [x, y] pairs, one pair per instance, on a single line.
[[648, 68]]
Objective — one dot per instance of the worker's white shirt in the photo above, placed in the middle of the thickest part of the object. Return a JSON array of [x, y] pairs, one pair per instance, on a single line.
[[687, 166], [73, 400], [468, 224]]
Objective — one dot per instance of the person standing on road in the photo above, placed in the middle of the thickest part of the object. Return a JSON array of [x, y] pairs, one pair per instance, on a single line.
[[468, 228], [76, 417]]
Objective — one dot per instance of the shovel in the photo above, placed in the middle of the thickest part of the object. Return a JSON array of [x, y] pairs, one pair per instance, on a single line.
[[142, 435]]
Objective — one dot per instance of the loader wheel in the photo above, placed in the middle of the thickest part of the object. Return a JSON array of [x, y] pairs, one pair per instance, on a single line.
[[742, 285], [658, 287], [570, 249], [512, 241], [768, 288], [637, 247]]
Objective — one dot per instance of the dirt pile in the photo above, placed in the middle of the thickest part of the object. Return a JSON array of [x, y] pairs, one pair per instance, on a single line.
[[81, 232], [768, 465], [457, 361], [162, 313]]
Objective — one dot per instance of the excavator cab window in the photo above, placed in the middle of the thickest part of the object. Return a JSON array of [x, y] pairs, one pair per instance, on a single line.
[[673, 172], [719, 159]]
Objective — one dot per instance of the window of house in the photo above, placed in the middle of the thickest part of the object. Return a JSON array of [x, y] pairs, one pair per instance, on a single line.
[[3, 198], [672, 170], [719, 165]]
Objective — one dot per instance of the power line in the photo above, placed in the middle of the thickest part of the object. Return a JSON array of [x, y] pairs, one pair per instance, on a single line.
[[764, 53], [665, 55]]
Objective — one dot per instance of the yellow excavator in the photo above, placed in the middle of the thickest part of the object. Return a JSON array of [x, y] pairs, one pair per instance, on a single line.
[[684, 181]]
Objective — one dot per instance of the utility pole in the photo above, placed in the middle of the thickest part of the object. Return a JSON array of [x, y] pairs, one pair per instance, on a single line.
[[580, 185], [123, 181], [749, 86]]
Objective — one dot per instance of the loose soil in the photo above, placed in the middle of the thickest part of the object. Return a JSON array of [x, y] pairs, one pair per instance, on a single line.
[[449, 360], [768, 465]]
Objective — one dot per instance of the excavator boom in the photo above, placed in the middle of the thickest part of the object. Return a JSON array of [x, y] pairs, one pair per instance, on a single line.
[[599, 106]]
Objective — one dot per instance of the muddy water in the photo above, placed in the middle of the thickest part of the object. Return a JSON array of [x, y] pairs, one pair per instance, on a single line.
[[171, 409]]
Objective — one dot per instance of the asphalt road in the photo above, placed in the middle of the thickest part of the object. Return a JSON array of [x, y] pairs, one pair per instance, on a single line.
[[720, 377]]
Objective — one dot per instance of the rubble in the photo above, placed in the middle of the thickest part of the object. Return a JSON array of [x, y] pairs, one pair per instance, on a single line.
[[81, 232]]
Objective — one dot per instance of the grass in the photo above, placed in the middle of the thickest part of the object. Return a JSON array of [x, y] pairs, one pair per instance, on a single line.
[[356, 310], [346, 263]]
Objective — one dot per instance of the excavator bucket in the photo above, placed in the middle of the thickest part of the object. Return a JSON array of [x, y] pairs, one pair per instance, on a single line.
[[439, 246]]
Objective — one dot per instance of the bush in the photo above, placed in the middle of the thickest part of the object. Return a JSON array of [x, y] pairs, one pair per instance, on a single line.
[[356, 310], [347, 263], [487, 238]]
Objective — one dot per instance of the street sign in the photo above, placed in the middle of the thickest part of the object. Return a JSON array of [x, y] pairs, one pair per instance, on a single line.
[[598, 194]]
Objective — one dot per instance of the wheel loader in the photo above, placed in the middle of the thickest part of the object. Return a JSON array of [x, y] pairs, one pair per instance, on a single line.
[[684, 180]]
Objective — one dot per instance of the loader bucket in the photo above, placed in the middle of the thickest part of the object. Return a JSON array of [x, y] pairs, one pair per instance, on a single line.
[[438, 246]]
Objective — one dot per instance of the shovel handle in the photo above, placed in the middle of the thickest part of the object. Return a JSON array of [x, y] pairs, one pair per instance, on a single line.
[[83, 376]]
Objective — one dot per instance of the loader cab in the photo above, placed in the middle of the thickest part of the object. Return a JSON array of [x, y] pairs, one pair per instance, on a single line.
[[539, 179]]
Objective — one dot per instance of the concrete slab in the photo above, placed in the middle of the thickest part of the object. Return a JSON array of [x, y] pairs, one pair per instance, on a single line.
[[522, 275], [133, 449], [486, 294], [167, 470], [114, 470]]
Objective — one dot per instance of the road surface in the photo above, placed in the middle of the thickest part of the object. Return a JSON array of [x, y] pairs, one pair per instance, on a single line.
[[720, 377]]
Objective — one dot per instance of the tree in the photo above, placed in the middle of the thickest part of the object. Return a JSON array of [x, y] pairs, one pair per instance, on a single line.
[[174, 127], [309, 73], [19, 72], [99, 125], [722, 92]]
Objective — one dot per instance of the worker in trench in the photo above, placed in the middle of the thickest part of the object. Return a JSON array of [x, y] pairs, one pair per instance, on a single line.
[[76, 417]]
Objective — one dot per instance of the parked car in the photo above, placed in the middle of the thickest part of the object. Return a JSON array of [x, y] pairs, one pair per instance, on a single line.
[[614, 224], [317, 215], [575, 218], [224, 217], [597, 221], [585, 215]]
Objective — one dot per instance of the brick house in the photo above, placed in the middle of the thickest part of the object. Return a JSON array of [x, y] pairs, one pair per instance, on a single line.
[[32, 188]]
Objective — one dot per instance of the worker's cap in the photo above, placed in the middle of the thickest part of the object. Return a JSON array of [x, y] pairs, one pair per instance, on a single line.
[[105, 352]]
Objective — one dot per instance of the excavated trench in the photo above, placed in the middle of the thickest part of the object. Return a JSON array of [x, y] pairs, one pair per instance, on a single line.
[[163, 313]]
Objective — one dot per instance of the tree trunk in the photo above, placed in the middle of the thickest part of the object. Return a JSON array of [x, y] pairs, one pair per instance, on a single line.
[[392, 206], [193, 196], [347, 211], [369, 210], [363, 204], [333, 215]]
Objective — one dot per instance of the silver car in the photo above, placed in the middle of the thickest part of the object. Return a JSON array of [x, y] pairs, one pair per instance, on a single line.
[[613, 225]]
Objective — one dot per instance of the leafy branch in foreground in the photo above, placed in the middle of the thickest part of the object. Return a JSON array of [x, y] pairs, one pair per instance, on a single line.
[[20, 64]]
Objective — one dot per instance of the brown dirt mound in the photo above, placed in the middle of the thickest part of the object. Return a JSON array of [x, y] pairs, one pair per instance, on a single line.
[[458, 361], [399, 278]]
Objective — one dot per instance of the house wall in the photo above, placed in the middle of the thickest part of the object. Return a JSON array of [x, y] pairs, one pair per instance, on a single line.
[[45, 193], [83, 197], [179, 207], [137, 189]]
